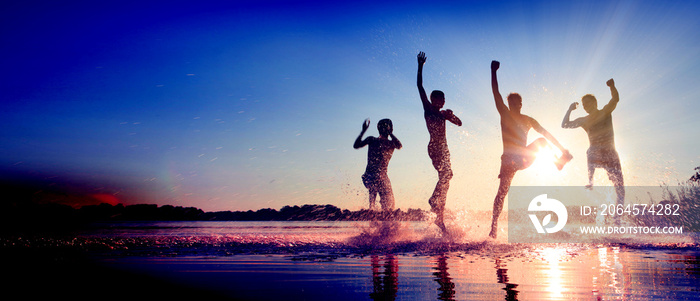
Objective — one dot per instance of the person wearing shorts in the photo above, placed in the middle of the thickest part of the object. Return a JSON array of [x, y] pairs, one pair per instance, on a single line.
[[381, 148], [601, 138], [517, 154]]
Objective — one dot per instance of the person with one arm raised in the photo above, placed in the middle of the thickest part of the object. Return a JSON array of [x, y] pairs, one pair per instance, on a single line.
[[517, 154], [435, 120]]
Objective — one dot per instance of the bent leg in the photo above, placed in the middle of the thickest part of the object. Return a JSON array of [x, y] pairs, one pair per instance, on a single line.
[[592, 161], [591, 172], [503, 188], [532, 150], [540, 143], [371, 186], [536, 145], [372, 199], [615, 175], [386, 194], [440, 157], [439, 198], [441, 162]]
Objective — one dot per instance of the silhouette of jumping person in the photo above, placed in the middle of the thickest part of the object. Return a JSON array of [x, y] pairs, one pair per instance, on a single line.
[[517, 155], [437, 147], [379, 153], [598, 125]]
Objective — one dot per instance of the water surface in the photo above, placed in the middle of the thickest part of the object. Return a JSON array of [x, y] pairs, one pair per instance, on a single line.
[[389, 261]]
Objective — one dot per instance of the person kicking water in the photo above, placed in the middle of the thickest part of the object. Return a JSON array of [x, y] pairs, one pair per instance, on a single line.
[[601, 137], [517, 155], [379, 153], [435, 120]]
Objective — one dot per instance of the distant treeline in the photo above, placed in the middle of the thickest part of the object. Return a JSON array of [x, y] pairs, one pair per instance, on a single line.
[[27, 214], [316, 213]]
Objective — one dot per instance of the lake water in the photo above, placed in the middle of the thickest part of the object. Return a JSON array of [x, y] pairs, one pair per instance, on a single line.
[[389, 261]]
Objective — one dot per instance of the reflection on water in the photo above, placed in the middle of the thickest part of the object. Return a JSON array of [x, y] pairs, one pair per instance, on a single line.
[[302, 258], [385, 277], [610, 272], [554, 279], [442, 276], [502, 276]]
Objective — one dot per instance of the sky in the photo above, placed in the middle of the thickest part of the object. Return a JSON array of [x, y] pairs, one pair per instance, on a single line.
[[243, 105]]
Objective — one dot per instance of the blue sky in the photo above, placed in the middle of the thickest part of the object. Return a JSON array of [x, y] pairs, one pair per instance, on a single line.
[[238, 105]]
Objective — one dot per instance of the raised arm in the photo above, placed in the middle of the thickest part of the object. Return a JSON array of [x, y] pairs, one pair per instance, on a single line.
[[612, 104], [358, 141], [419, 82], [500, 105], [566, 123]]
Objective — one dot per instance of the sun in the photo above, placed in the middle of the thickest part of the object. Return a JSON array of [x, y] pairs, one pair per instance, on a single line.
[[545, 159], [543, 170]]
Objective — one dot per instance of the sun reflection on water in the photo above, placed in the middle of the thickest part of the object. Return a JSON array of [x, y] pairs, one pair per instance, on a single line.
[[553, 257], [610, 270]]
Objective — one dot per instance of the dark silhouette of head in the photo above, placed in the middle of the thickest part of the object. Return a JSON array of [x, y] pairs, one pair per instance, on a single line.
[[515, 102], [437, 98], [385, 127], [590, 104]]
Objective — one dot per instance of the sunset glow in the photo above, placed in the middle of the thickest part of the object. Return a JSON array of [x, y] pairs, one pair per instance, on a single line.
[[255, 104]]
